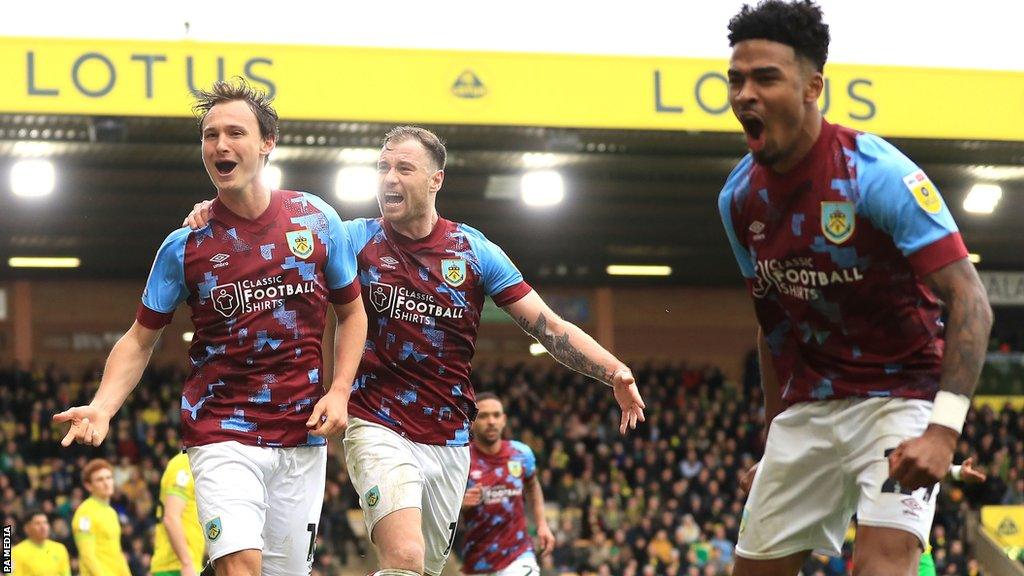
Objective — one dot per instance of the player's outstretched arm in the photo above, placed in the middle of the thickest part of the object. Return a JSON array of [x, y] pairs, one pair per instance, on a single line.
[[577, 350], [535, 500], [924, 461], [330, 415], [127, 361]]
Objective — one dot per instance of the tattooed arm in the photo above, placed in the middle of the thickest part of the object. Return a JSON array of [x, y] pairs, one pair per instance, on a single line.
[[968, 326], [925, 460], [577, 350]]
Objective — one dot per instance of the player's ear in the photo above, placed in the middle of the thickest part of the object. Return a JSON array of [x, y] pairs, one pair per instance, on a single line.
[[436, 180], [814, 85], [268, 146]]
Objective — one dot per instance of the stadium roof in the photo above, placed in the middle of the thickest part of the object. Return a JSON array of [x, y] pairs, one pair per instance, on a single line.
[[644, 197]]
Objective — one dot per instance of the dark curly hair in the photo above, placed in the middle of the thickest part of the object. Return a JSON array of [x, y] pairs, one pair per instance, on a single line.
[[237, 89], [797, 24]]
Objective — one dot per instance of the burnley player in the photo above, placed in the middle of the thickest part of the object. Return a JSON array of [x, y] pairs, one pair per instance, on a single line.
[[847, 249], [425, 279], [258, 280], [501, 473]]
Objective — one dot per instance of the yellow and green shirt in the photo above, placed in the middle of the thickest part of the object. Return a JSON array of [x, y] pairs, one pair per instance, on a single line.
[[177, 483], [98, 538], [47, 559]]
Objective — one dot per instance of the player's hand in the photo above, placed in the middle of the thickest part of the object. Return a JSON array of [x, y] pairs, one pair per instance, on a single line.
[[971, 475], [747, 477], [89, 425], [547, 540], [330, 415], [188, 570], [628, 397], [923, 461], [474, 495], [199, 216]]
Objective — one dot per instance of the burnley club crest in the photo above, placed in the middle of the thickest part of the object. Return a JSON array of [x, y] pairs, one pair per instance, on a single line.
[[838, 220], [453, 271], [300, 242]]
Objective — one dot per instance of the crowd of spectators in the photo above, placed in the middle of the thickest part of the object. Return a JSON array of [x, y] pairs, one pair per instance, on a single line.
[[662, 501]]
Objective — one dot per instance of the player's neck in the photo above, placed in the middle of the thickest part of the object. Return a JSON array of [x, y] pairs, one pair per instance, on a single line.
[[809, 133], [418, 228], [490, 449], [100, 499], [38, 542], [249, 203]]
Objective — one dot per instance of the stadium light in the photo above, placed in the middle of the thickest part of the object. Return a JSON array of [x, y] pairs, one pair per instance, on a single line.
[[272, 176], [542, 188], [974, 258], [537, 349], [48, 262], [638, 270], [33, 178], [983, 198], [356, 183], [359, 155]]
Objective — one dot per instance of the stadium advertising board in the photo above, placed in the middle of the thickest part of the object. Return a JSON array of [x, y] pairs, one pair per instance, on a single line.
[[150, 78]]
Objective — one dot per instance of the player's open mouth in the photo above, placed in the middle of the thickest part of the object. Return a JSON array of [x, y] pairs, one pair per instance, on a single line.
[[393, 199], [753, 128], [225, 167]]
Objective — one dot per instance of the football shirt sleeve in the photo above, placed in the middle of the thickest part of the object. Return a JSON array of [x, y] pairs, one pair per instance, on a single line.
[[165, 288], [502, 280], [528, 458], [898, 198], [341, 267], [738, 180]]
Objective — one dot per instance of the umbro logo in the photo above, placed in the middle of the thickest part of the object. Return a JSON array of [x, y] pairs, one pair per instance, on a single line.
[[911, 507], [388, 261], [757, 227], [220, 260]]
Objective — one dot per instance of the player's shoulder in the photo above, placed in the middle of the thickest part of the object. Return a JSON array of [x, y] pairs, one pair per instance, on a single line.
[[177, 237], [21, 546], [520, 449], [178, 462], [178, 475], [85, 507], [467, 230], [738, 181], [84, 516], [362, 230], [309, 199], [477, 240], [53, 546], [873, 154]]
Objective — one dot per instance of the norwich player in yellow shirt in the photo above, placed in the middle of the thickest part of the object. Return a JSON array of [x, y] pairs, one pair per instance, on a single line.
[[96, 527], [178, 544], [38, 555]]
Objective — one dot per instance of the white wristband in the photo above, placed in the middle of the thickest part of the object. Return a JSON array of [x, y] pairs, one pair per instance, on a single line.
[[950, 410], [954, 471]]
